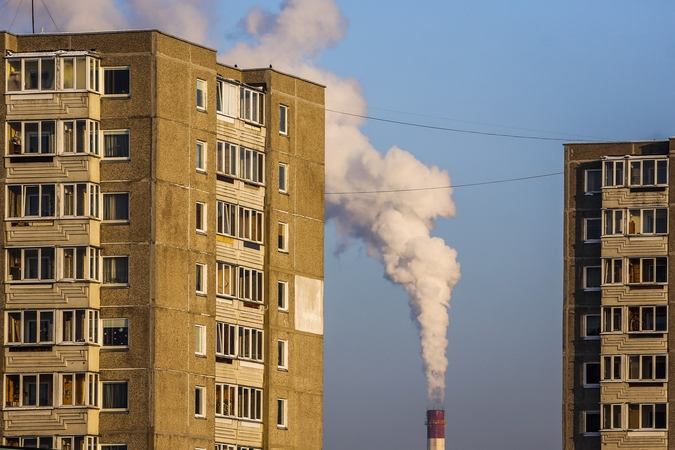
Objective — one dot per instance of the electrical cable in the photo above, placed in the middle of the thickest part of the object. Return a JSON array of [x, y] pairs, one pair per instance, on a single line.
[[5, 4], [50, 15], [457, 130], [508, 180], [17, 13]]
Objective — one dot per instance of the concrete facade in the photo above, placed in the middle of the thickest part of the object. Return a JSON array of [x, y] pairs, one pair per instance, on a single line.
[[617, 316], [156, 245]]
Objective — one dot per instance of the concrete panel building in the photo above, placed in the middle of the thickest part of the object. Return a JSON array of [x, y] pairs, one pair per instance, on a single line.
[[617, 315], [163, 247]]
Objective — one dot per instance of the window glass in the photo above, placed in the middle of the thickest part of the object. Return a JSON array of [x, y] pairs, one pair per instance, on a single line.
[[283, 119], [201, 95], [116, 144], [116, 207], [116, 270], [593, 180], [116, 81], [14, 81], [283, 177], [592, 326], [115, 395], [593, 229], [115, 332], [201, 156]]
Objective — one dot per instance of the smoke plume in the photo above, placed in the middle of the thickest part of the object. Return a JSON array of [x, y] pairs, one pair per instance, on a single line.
[[395, 225]]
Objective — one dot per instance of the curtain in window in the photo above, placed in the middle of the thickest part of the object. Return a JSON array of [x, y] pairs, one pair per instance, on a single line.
[[116, 145]]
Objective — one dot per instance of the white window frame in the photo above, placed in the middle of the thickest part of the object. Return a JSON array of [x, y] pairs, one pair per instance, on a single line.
[[645, 362], [103, 396], [612, 368], [586, 335], [23, 391], [587, 173], [643, 312], [251, 166], [106, 207], [115, 322], [251, 105], [90, 199], [282, 355], [585, 415], [221, 446], [587, 384], [89, 327], [226, 408], [613, 173], [17, 330], [91, 141], [613, 220], [127, 69], [283, 178], [226, 219], [200, 158], [640, 164], [282, 295], [24, 266], [282, 413], [282, 237], [200, 278], [31, 441], [104, 148], [226, 340], [283, 120], [202, 95], [22, 138], [644, 409], [642, 221], [585, 278], [613, 271], [252, 406], [227, 98], [644, 264], [250, 344], [612, 319], [201, 217], [24, 71], [598, 222], [227, 158], [91, 265], [90, 384], [200, 340], [227, 280], [612, 415], [114, 283], [200, 402], [250, 224], [114, 447], [251, 284], [23, 200]]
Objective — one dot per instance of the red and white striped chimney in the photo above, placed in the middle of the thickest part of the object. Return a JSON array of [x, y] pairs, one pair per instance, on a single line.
[[435, 429]]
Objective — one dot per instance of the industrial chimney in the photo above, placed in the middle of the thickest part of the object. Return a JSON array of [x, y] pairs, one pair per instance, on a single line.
[[435, 429]]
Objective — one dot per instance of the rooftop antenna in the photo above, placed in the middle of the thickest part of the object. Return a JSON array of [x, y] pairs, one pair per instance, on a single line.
[[32, 13]]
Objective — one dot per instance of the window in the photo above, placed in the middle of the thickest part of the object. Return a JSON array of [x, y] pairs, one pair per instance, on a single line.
[[200, 340], [116, 207], [80, 136], [282, 420], [225, 284], [648, 221], [220, 446], [613, 173], [613, 222], [201, 95], [79, 326], [647, 367], [283, 119], [116, 144], [79, 389], [592, 326], [647, 416], [30, 442], [282, 295], [612, 319], [647, 319], [201, 156], [116, 270], [29, 390], [250, 283], [282, 354], [200, 217], [283, 178], [250, 226], [226, 158], [592, 278], [226, 340], [200, 278], [80, 200], [591, 423], [250, 343], [240, 162], [200, 407], [282, 237], [227, 95], [249, 404], [592, 375], [647, 270], [611, 417], [251, 105], [31, 138], [593, 181], [648, 172], [592, 230], [31, 201], [30, 327], [226, 399], [117, 81], [613, 270], [611, 368], [115, 395], [78, 73], [30, 264], [113, 446], [227, 215], [78, 442], [116, 333], [79, 263], [31, 74]]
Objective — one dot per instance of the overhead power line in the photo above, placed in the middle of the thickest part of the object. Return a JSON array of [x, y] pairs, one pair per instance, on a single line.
[[50, 16], [455, 130], [508, 180]]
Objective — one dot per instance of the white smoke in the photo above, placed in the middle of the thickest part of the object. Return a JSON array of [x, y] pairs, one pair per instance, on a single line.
[[394, 226]]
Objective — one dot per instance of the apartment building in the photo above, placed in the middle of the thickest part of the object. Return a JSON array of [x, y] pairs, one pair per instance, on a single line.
[[616, 318], [163, 247]]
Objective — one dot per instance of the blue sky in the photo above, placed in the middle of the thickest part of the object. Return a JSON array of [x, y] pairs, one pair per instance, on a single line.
[[572, 70]]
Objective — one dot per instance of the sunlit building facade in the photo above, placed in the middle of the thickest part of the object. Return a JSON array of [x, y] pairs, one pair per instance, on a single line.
[[616, 325], [163, 247]]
